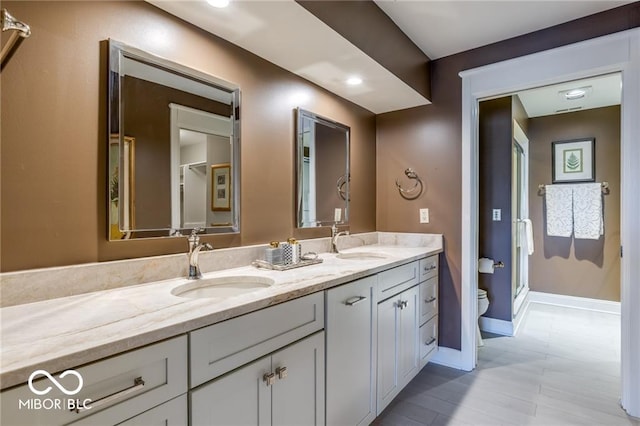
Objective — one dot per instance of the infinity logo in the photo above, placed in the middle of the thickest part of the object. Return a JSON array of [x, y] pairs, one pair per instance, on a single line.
[[55, 382]]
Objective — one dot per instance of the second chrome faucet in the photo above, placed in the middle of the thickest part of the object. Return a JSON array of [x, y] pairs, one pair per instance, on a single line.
[[195, 246]]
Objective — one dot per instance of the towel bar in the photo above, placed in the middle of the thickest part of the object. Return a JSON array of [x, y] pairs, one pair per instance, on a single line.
[[604, 185]]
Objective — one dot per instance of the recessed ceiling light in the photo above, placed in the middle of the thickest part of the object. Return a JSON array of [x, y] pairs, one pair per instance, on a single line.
[[354, 81], [577, 93], [218, 3]]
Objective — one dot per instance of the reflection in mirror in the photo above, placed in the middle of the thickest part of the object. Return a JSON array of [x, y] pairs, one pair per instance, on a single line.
[[323, 170], [173, 149]]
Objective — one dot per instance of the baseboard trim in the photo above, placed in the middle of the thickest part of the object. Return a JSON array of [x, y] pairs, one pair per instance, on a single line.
[[448, 357], [496, 326], [575, 302]]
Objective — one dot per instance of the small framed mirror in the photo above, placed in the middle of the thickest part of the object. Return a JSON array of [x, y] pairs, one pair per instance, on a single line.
[[174, 145], [323, 170]]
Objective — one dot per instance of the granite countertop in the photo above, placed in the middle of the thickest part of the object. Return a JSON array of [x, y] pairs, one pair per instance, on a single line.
[[66, 332]]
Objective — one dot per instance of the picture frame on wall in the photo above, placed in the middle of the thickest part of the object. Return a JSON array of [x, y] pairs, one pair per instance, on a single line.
[[221, 187], [573, 160]]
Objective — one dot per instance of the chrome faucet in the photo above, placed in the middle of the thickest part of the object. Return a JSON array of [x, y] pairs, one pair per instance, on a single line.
[[334, 237], [194, 250]]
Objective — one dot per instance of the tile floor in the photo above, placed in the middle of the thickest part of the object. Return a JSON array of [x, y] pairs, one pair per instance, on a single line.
[[562, 368]]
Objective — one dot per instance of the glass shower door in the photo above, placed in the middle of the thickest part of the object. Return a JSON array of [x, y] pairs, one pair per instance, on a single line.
[[520, 211]]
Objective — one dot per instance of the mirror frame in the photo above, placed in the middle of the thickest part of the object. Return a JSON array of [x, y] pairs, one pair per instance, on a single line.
[[302, 114], [117, 52]]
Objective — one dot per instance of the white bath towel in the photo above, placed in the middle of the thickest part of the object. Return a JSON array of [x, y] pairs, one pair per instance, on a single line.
[[559, 200], [587, 211], [528, 235]]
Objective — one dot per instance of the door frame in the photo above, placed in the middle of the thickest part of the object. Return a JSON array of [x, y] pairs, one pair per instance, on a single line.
[[619, 52]]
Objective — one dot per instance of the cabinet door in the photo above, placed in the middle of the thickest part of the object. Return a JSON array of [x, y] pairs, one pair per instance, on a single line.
[[240, 398], [298, 392], [408, 357], [351, 353], [388, 318]]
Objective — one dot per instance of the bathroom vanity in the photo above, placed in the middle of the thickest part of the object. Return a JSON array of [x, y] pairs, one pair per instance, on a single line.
[[331, 343]]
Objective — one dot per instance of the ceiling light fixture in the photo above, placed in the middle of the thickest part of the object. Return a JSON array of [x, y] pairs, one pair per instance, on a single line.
[[574, 94], [218, 3], [354, 81]]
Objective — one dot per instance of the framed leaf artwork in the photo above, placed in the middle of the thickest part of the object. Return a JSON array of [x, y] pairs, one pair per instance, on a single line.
[[573, 161]]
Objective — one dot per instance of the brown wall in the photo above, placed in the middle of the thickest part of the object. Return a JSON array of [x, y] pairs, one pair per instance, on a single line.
[[494, 180], [54, 134], [429, 139], [575, 267]]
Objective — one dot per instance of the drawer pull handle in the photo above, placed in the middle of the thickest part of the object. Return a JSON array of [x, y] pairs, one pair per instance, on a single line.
[[138, 384], [402, 304], [269, 378], [430, 268], [354, 300], [430, 342], [432, 299], [281, 372]]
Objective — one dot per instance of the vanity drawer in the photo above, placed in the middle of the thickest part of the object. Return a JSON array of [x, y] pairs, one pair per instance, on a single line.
[[118, 388], [171, 413], [222, 347], [428, 299], [428, 340], [428, 267], [396, 280]]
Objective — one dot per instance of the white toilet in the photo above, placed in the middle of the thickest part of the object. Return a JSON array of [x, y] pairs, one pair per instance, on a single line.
[[483, 305]]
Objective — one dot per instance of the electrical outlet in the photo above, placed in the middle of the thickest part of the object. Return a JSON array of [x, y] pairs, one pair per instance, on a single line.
[[497, 215], [424, 215]]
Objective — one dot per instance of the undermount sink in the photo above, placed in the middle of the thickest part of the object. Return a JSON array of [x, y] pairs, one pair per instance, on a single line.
[[221, 287], [361, 256]]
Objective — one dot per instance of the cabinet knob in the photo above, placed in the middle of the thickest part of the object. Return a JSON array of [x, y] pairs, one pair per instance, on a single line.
[[402, 304], [269, 378], [281, 372]]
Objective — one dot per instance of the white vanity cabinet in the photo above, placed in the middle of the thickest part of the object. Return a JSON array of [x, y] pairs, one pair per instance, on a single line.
[[266, 367], [113, 390], [397, 344], [351, 312]]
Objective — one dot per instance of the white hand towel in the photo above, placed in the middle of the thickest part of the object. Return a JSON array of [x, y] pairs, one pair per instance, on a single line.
[[587, 211], [528, 231], [559, 210]]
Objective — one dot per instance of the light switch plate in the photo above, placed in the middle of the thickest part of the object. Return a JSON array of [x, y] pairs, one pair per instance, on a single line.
[[424, 215], [497, 215]]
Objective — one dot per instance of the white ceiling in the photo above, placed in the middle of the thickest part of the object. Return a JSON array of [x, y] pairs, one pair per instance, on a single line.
[[602, 91], [286, 34], [442, 28]]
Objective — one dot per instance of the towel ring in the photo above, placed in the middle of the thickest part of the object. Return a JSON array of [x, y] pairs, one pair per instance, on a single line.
[[341, 182], [418, 187]]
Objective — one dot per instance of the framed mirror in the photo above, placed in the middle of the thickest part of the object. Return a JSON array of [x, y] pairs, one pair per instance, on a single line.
[[323, 170], [174, 146]]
